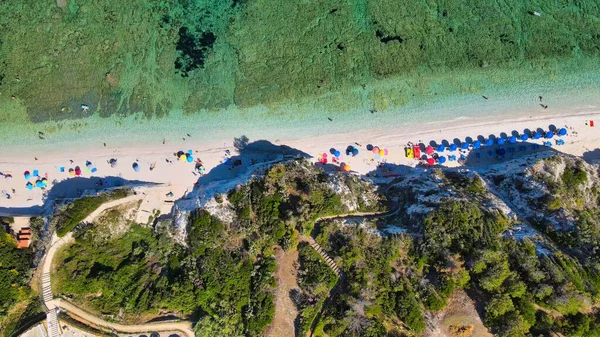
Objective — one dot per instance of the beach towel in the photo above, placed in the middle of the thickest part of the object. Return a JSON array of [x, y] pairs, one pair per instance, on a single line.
[[36, 173]]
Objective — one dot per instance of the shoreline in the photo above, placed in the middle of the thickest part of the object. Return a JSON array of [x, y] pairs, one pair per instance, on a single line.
[[179, 175]]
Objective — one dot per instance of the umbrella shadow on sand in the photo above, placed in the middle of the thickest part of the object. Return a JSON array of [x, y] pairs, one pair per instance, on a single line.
[[73, 188]]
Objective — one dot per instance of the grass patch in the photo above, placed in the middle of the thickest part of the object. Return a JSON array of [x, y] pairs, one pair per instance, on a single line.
[[67, 218]]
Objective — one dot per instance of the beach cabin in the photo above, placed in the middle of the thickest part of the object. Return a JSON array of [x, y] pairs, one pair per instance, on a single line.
[[24, 238]]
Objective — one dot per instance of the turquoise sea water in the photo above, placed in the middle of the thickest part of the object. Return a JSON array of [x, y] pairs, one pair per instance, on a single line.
[[278, 70], [293, 121]]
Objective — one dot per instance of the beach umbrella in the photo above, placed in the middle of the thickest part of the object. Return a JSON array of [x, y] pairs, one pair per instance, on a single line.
[[27, 175], [452, 147], [562, 132], [89, 164], [349, 150], [549, 134], [382, 152], [113, 162], [500, 141], [77, 171], [429, 150], [136, 167], [489, 142], [190, 152], [464, 146], [430, 161], [442, 160], [537, 135], [512, 139], [189, 158], [71, 172], [337, 153], [29, 186], [180, 153], [354, 151], [369, 147], [524, 137], [375, 149], [441, 148], [39, 184], [183, 157], [7, 177], [345, 167], [476, 144]]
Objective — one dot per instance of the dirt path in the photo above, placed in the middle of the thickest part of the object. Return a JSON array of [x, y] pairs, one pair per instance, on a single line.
[[85, 317], [287, 279]]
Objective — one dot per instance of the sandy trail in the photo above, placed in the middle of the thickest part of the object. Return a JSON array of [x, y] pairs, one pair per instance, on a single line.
[[285, 309], [86, 317]]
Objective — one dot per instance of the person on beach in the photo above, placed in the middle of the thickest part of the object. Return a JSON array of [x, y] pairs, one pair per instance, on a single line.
[[331, 120], [85, 108], [164, 141]]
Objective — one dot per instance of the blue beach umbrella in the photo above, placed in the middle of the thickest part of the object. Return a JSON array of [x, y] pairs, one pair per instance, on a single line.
[[489, 142], [440, 148], [369, 147], [464, 146], [452, 147], [39, 184], [442, 160], [337, 153], [549, 134], [354, 151], [500, 141], [524, 137], [537, 135], [136, 167], [512, 139], [189, 158], [476, 144], [27, 175], [562, 132], [29, 186]]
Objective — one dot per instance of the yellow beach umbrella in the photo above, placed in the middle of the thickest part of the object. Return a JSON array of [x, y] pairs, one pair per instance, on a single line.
[[381, 152], [182, 157]]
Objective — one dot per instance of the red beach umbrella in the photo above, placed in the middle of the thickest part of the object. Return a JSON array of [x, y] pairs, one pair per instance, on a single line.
[[77, 171], [430, 161], [375, 150], [429, 150]]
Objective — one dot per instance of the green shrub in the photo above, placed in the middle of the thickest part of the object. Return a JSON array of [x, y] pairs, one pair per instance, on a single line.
[[574, 176]]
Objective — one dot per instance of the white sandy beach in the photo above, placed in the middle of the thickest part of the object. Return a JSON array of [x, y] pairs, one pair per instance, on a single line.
[[581, 139]]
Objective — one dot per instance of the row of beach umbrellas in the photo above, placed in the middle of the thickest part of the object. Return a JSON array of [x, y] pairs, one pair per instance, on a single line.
[[495, 140]]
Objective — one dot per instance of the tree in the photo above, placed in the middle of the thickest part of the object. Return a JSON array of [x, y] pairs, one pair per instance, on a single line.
[[498, 306]]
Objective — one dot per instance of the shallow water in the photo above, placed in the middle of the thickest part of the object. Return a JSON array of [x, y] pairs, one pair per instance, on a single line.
[[272, 69]]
